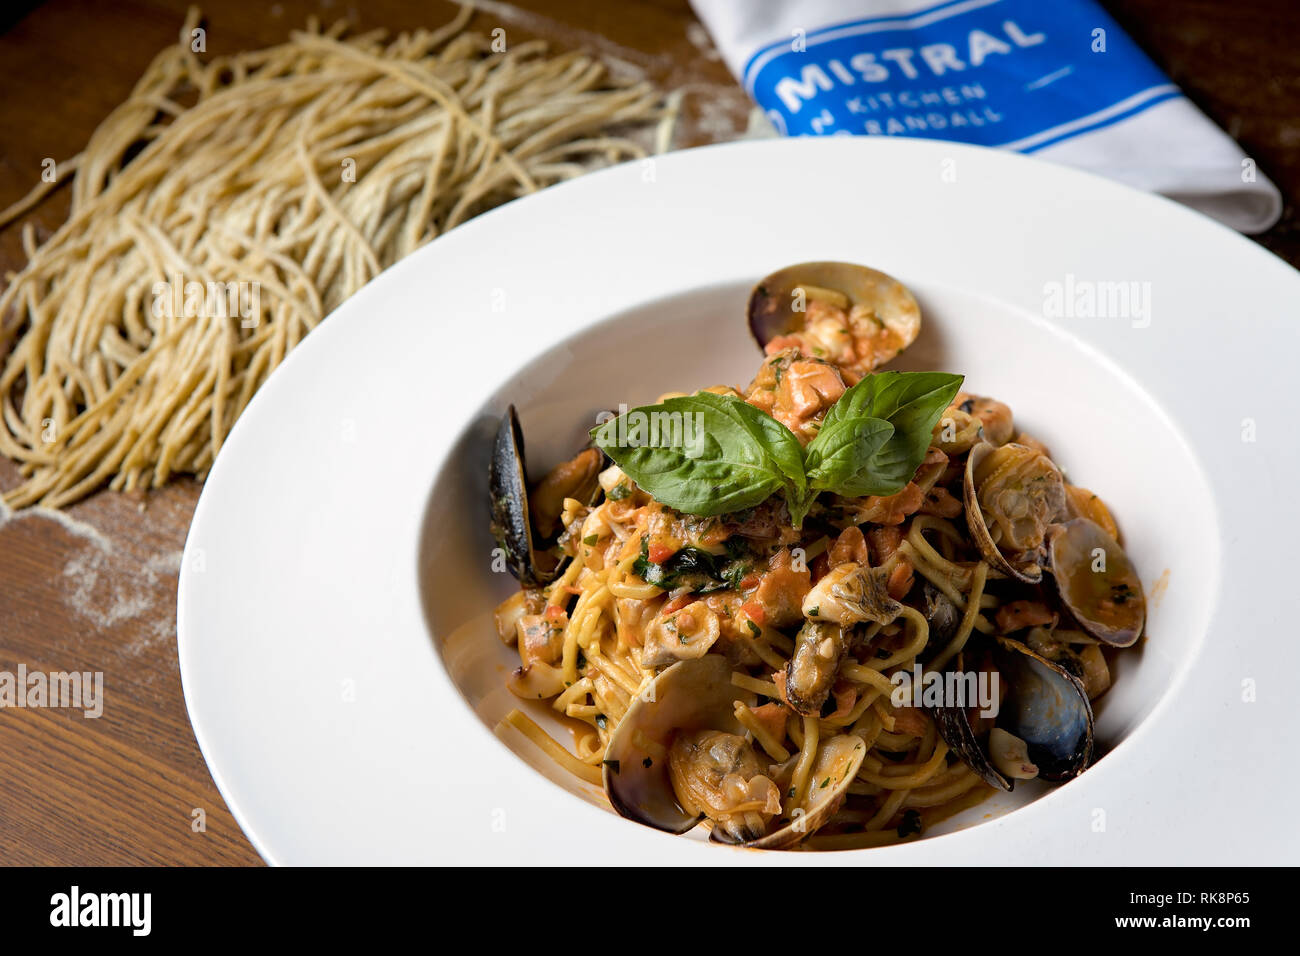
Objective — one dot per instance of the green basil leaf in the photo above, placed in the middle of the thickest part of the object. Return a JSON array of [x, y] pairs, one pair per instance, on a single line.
[[889, 395], [709, 454], [911, 402], [839, 459], [781, 444], [798, 504], [703, 454]]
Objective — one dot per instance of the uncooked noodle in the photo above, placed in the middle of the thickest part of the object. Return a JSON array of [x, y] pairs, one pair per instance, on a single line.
[[205, 240]]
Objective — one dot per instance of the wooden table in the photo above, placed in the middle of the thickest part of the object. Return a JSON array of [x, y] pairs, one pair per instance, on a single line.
[[96, 591]]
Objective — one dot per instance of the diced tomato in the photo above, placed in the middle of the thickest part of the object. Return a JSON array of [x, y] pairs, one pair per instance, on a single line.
[[750, 581], [658, 553], [754, 611], [677, 603], [554, 612]]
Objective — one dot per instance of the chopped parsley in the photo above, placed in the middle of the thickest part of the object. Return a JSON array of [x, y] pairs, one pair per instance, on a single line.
[[692, 568]]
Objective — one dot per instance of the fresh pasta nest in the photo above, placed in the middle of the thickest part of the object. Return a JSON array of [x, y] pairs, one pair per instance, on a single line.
[[205, 240]]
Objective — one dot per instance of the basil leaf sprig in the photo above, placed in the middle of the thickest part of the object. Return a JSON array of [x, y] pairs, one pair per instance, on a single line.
[[911, 402], [704, 454], [709, 454]]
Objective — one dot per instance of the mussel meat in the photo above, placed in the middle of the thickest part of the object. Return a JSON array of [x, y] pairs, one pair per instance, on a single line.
[[818, 649], [850, 594]]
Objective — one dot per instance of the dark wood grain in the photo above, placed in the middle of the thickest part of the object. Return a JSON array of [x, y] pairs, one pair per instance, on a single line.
[[1240, 63], [99, 595]]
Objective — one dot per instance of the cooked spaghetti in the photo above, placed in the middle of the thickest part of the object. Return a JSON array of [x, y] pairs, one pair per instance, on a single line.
[[815, 625]]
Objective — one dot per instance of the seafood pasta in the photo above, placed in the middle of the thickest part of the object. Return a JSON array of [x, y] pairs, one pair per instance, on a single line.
[[824, 610]]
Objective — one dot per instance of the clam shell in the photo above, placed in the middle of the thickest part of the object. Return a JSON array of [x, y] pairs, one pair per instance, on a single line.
[[770, 303], [1108, 604], [1024, 568], [837, 763], [691, 695]]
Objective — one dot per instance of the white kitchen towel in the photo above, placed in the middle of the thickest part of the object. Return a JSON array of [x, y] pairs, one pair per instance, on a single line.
[[1056, 78]]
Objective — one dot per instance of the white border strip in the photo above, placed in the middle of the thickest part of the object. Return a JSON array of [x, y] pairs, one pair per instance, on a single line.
[[1137, 99]]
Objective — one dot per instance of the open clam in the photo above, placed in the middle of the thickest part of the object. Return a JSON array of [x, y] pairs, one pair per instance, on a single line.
[[679, 756], [837, 763], [1043, 727], [852, 316], [1097, 582], [693, 695], [515, 523], [1019, 512], [1013, 495]]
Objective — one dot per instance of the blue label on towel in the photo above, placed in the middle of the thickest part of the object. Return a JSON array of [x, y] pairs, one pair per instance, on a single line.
[[1016, 73]]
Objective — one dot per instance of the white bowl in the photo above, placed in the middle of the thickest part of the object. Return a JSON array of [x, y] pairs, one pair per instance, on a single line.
[[334, 609], [1102, 427]]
